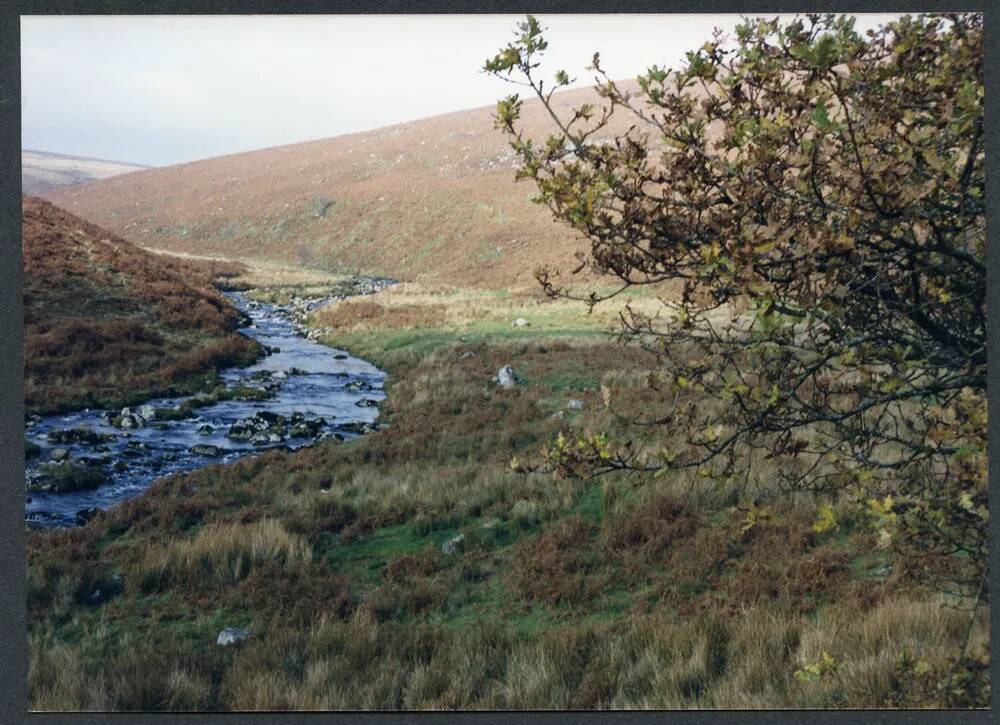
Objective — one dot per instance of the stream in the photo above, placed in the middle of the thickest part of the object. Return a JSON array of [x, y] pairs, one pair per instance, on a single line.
[[319, 392]]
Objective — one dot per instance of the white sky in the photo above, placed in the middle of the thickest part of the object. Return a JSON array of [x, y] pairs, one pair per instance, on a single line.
[[167, 89]]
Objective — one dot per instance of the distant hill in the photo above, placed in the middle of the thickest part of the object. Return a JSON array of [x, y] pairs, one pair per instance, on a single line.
[[106, 323], [433, 199], [42, 171]]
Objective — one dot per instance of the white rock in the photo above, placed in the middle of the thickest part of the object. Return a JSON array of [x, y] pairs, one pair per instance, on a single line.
[[233, 635], [451, 545], [521, 322], [506, 378]]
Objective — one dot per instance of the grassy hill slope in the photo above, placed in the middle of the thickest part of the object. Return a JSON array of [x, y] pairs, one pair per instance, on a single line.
[[431, 200], [106, 322], [41, 171]]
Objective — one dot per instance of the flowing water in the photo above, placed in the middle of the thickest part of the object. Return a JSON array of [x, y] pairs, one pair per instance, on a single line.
[[313, 380]]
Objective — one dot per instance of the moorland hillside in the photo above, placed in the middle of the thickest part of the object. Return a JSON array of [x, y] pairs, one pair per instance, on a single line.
[[433, 200], [106, 322]]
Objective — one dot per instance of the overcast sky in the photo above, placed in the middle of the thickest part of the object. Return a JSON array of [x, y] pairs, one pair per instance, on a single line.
[[168, 89]]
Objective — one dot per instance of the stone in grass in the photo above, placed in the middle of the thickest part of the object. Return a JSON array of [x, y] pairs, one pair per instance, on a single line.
[[233, 635], [574, 405], [520, 322], [451, 545], [506, 378]]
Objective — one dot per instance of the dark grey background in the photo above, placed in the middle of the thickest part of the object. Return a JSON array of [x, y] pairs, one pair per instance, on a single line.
[[13, 643]]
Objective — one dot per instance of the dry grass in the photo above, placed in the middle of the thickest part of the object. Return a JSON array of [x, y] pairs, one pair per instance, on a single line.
[[222, 554], [463, 309], [260, 275]]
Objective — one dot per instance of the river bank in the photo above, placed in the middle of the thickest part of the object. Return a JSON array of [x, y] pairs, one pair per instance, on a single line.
[[299, 393]]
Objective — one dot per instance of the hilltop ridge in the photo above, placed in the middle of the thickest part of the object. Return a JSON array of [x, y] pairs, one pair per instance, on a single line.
[[42, 170]]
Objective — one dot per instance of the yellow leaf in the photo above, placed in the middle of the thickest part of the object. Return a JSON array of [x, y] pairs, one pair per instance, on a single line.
[[826, 519]]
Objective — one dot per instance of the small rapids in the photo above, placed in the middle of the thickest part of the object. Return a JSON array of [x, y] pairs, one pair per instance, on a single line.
[[329, 393]]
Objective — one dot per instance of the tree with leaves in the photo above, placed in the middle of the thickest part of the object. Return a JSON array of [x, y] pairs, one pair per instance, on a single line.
[[818, 196]]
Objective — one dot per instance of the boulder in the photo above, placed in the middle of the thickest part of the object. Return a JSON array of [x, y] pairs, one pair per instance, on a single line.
[[233, 635], [64, 478], [269, 418], [147, 412], [574, 405], [366, 403], [258, 428], [205, 429], [506, 378], [307, 428], [79, 435], [59, 454], [130, 422], [205, 449], [241, 431]]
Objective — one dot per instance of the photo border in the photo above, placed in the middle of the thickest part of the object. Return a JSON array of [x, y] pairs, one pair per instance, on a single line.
[[13, 652]]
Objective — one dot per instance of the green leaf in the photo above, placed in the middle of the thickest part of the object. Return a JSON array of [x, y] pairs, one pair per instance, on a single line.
[[821, 117]]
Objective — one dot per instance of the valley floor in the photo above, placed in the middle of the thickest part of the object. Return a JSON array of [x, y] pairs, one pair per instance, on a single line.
[[414, 568]]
